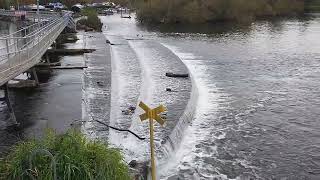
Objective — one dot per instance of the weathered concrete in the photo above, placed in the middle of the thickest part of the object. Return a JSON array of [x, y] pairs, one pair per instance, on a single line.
[[69, 51], [68, 67], [96, 86], [48, 64], [21, 83]]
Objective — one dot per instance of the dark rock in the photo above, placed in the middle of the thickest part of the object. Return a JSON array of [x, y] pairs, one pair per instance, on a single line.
[[108, 42], [81, 27], [133, 163], [87, 29], [177, 75], [126, 112], [129, 111], [168, 89], [163, 116], [139, 171], [132, 108]]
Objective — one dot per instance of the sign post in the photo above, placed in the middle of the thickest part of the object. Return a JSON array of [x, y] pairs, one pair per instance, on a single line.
[[152, 114]]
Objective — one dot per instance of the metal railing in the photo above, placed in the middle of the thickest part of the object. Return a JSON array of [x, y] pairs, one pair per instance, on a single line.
[[24, 48]]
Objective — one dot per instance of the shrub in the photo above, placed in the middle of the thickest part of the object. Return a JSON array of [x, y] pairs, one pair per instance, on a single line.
[[92, 19], [199, 11], [70, 156]]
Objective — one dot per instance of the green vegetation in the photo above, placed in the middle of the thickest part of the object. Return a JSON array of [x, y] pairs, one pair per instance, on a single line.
[[92, 19], [4, 4], [70, 156], [200, 11], [312, 5]]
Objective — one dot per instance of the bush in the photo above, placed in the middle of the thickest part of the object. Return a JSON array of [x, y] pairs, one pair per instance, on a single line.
[[199, 11], [70, 156], [92, 19]]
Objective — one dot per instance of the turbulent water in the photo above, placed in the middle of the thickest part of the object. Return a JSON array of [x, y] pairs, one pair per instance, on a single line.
[[258, 101]]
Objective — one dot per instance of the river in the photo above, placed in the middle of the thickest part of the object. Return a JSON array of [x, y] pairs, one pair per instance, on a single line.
[[258, 101], [55, 104]]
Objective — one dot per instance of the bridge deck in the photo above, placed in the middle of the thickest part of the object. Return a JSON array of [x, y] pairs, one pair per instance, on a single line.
[[23, 49]]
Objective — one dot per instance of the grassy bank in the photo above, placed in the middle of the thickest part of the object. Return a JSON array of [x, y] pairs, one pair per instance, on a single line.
[[92, 19], [200, 11], [69, 156]]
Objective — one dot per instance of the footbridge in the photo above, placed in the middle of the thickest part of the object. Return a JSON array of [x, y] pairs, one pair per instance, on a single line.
[[23, 49]]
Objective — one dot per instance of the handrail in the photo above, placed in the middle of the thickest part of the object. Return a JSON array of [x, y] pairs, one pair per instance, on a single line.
[[53, 16], [32, 33], [35, 39]]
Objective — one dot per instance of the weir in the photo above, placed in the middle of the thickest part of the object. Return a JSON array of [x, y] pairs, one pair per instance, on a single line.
[[22, 50]]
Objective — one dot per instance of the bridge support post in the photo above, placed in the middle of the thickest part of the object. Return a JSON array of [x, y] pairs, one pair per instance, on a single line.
[[47, 58], [35, 76], [6, 98]]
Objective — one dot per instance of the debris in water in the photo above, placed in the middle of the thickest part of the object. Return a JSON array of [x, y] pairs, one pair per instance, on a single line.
[[177, 75]]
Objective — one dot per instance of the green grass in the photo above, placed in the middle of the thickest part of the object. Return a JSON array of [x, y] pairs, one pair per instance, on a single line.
[[69, 156]]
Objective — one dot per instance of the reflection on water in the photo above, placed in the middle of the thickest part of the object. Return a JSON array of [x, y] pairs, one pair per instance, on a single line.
[[265, 125], [55, 104]]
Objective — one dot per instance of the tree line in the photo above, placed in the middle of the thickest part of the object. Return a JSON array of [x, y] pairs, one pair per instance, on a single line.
[[200, 11]]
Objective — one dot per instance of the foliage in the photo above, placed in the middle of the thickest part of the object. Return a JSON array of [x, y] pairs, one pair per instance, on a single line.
[[76, 158], [92, 19], [312, 5], [70, 3], [198, 11]]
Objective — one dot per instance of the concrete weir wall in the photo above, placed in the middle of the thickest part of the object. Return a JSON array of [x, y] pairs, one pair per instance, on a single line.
[[96, 86]]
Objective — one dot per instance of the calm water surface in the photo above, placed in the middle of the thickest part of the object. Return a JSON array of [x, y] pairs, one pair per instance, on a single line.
[[55, 104], [258, 112]]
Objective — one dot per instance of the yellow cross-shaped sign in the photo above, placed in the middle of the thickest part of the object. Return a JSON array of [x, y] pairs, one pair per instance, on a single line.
[[152, 114]]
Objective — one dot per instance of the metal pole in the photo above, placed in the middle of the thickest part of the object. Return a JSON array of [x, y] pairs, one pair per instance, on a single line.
[[38, 7], [38, 14], [153, 163], [8, 51]]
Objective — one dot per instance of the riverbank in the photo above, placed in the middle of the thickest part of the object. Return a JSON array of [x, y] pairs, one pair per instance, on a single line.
[[198, 12]]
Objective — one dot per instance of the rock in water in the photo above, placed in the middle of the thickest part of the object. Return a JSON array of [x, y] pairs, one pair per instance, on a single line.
[[133, 163], [132, 108]]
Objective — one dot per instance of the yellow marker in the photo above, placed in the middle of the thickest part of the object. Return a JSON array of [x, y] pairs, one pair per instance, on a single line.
[[152, 114]]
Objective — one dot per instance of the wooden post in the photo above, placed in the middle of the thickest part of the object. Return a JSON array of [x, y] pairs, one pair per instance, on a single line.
[[153, 163], [152, 114]]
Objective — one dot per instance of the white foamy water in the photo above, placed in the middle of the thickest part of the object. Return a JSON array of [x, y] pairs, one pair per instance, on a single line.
[[126, 86], [186, 157]]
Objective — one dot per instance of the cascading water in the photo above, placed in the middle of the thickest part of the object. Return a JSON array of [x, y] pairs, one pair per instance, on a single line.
[[186, 136]]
